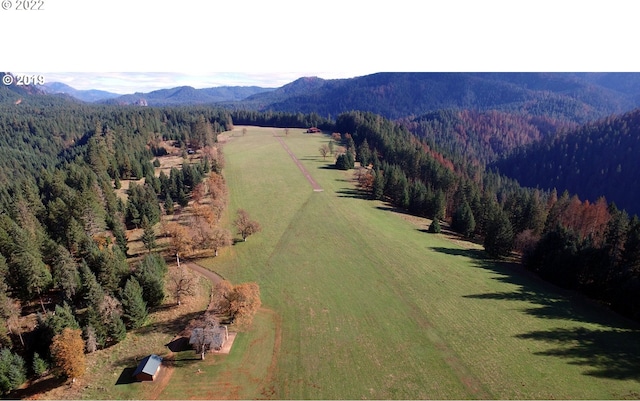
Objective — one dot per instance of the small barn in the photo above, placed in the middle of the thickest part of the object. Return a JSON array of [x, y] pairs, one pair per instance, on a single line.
[[148, 368], [313, 130]]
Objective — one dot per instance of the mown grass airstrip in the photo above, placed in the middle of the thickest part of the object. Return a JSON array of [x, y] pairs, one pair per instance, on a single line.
[[373, 307]]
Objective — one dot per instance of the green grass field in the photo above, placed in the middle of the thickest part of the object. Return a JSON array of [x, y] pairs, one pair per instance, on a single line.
[[371, 306]]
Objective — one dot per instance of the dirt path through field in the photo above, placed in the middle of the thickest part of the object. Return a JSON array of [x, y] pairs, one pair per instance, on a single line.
[[314, 184], [213, 276]]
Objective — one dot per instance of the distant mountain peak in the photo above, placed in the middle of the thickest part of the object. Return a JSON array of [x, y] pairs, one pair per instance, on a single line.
[[90, 95]]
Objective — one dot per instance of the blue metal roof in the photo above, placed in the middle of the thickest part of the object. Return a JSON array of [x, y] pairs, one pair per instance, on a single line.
[[148, 365]]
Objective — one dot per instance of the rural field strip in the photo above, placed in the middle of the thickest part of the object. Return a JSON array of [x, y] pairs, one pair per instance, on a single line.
[[314, 184]]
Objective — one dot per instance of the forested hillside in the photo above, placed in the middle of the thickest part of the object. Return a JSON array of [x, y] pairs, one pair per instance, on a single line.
[[482, 136], [592, 247], [597, 159], [63, 247], [558, 96], [186, 95]]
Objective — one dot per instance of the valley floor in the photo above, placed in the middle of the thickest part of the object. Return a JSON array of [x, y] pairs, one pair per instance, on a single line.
[[372, 306]]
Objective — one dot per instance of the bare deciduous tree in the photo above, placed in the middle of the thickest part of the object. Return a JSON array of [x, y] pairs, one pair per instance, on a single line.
[[324, 151], [182, 282], [220, 238]]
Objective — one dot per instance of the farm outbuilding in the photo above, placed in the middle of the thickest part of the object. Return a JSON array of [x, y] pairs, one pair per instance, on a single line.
[[148, 368]]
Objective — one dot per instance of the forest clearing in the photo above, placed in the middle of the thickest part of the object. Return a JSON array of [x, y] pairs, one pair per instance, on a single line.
[[359, 301], [374, 307]]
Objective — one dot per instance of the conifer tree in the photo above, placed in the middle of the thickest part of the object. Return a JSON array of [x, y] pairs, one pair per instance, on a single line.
[[434, 227], [150, 275], [148, 237], [168, 204], [135, 308], [65, 273], [39, 365], [94, 320], [12, 370], [499, 238], [378, 185], [463, 220], [91, 289], [116, 329]]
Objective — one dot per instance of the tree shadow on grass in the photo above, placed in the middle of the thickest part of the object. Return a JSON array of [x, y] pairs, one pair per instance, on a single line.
[[612, 352], [353, 193], [35, 387], [172, 326]]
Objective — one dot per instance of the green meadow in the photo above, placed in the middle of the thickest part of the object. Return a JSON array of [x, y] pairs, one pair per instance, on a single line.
[[367, 304]]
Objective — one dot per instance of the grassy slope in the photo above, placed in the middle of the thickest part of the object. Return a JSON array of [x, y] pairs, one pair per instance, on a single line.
[[371, 307]]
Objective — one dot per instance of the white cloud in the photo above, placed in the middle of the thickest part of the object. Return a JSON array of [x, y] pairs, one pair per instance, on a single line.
[[130, 82]]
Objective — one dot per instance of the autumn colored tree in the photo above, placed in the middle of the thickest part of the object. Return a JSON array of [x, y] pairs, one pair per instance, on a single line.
[[245, 225], [203, 218], [217, 186], [245, 302], [220, 297], [365, 179], [240, 303], [180, 241], [198, 192], [217, 208], [67, 350]]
